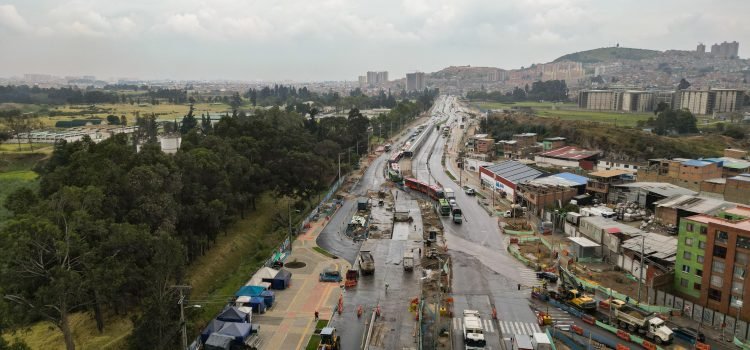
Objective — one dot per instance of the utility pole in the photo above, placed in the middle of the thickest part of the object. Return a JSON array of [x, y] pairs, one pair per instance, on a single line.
[[183, 324], [289, 210], [437, 303], [339, 167], [640, 278]]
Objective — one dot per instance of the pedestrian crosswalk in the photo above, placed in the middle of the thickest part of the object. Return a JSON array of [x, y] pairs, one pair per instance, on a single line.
[[515, 327], [528, 278], [488, 325]]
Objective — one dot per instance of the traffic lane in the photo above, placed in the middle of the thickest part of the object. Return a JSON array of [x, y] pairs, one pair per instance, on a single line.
[[333, 236], [479, 227]]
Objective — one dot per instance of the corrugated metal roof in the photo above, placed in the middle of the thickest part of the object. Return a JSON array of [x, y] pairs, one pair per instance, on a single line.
[[660, 188], [695, 204], [570, 152], [657, 246], [583, 242], [741, 177], [609, 173], [695, 162], [514, 172], [581, 180]]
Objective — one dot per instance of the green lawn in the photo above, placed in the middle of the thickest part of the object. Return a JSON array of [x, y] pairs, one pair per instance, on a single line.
[[614, 118], [25, 147], [532, 104]]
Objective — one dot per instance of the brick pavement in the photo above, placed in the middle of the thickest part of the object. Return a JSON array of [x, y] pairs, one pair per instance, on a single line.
[[290, 322]]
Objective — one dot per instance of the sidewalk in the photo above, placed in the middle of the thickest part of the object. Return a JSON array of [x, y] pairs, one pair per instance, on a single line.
[[713, 336], [290, 323]]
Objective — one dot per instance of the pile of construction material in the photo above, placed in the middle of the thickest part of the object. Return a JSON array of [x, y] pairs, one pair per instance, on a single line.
[[630, 211]]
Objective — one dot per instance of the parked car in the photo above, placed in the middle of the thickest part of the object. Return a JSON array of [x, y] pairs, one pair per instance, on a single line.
[[330, 276], [549, 276], [690, 335], [469, 191]]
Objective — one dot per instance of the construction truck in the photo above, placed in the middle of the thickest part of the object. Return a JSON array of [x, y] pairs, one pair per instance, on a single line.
[[366, 262], [329, 340], [473, 332], [570, 293], [634, 319]]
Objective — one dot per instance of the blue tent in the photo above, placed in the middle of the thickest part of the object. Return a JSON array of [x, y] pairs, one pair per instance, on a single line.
[[249, 291], [268, 298], [238, 331], [258, 304], [232, 314], [282, 280], [218, 342], [212, 327]]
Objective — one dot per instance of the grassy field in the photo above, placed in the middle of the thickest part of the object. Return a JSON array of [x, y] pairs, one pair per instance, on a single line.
[[162, 111], [15, 173], [25, 147], [45, 335], [614, 118], [532, 104]]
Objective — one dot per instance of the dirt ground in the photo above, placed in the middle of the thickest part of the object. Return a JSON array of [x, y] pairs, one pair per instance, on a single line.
[[615, 280]]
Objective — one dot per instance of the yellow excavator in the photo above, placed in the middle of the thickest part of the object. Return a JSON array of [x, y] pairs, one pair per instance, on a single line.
[[570, 293]]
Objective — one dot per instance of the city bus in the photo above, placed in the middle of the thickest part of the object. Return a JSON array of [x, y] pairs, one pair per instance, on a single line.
[[445, 208]]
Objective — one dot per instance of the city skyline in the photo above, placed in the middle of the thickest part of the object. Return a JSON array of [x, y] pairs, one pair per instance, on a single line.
[[333, 40]]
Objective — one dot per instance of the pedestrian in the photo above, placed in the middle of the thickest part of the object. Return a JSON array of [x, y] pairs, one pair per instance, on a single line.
[[316, 315], [420, 252]]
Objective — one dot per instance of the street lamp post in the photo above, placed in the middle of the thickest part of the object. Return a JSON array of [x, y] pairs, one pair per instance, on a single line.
[[640, 278]]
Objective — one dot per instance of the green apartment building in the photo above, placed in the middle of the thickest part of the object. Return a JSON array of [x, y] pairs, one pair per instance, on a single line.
[[691, 250], [713, 257]]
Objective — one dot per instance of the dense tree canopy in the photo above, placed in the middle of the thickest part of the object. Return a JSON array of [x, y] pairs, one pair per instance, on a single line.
[[112, 229]]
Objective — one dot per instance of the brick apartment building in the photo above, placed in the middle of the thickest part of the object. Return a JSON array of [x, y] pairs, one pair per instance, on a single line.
[[713, 256], [688, 173]]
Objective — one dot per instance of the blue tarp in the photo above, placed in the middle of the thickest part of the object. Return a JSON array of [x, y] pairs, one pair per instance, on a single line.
[[238, 331], [250, 291], [268, 298], [232, 314], [282, 280], [212, 327], [258, 304]]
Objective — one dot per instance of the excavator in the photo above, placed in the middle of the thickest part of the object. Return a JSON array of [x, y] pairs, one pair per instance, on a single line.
[[572, 293]]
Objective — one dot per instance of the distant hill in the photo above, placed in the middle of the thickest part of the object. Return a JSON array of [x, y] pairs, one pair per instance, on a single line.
[[463, 72], [608, 54]]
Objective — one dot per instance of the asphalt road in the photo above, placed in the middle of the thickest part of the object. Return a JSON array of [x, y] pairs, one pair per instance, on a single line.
[[484, 275]]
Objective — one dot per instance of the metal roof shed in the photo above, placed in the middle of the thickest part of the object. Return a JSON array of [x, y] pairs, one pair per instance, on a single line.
[[584, 247]]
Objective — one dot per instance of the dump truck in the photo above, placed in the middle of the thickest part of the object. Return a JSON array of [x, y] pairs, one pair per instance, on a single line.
[[473, 332], [366, 262], [634, 319]]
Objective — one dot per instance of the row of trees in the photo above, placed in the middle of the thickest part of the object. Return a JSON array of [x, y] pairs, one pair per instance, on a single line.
[[550, 90], [111, 229]]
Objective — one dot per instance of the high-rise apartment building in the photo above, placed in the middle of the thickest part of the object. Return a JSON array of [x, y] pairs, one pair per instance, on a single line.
[[701, 48], [362, 81], [727, 100], [726, 50], [415, 81], [377, 78]]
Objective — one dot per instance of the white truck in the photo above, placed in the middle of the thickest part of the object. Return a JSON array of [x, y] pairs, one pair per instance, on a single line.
[[449, 193], [408, 260], [634, 319], [473, 332]]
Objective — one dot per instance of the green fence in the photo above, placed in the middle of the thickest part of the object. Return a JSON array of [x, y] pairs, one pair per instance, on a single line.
[[518, 233]]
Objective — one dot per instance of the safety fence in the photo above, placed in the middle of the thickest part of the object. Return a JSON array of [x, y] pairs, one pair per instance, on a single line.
[[518, 233]]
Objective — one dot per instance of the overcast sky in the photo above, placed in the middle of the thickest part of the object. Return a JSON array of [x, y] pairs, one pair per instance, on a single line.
[[339, 39]]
